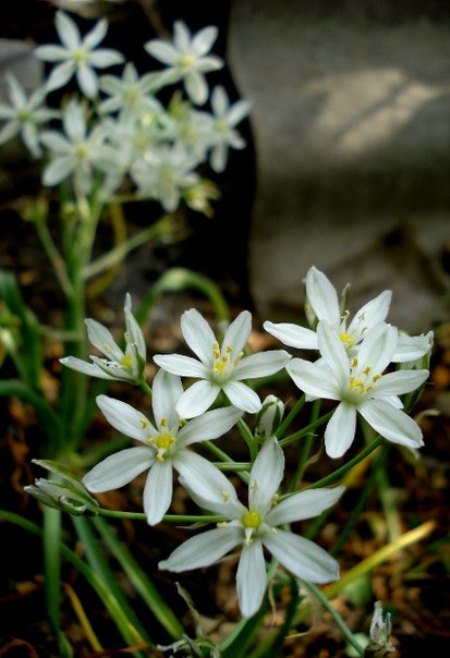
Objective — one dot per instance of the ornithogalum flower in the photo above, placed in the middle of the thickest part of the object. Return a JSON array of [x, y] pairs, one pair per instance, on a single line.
[[223, 127], [219, 368], [24, 115], [130, 93], [124, 365], [323, 304], [187, 59], [361, 386], [78, 56], [256, 527], [165, 445]]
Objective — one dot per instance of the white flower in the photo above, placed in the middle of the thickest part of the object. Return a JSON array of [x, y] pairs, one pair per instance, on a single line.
[[128, 365], [219, 368], [165, 445], [269, 417], [77, 152], [224, 135], [130, 93], [360, 385], [186, 59], [323, 304], [164, 174], [78, 56], [255, 527], [24, 116]]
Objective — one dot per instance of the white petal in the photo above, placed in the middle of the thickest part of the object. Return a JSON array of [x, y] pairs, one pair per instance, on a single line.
[[313, 378], [97, 34], [196, 87], [340, 431], [178, 364], [378, 347], [333, 351], [302, 557], [51, 53], [158, 491], [266, 475], [322, 297], [242, 397], [84, 367], [60, 75], [303, 505], [87, 80], [167, 390], [411, 348], [237, 334], [57, 170], [197, 399], [401, 381], [238, 111], [105, 57], [203, 40], [207, 486], [203, 550], [124, 418], [101, 338], [209, 425], [251, 578], [370, 314], [198, 335], [117, 470], [67, 30], [261, 364], [292, 335], [393, 424], [162, 51]]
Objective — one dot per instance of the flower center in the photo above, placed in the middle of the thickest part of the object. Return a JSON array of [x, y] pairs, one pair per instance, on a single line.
[[162, 443], [127, 362], [363, 382], [223, 363], [79, 56], [251, 521], [347, 339]]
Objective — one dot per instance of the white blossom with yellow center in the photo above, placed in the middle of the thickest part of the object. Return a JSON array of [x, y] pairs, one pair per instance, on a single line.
[[164, 445], [256, 527], [125, 365], [361, 385], [219, 368], [323, 304]]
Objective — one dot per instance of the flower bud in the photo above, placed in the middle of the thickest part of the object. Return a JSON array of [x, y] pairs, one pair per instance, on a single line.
[[269, 417]]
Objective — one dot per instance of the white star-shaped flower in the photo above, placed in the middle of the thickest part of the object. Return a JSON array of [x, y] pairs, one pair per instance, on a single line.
[[187, 59], [164, 445], [219, 368], [256, 527], [323, 304], [361, 386], [78, 56]]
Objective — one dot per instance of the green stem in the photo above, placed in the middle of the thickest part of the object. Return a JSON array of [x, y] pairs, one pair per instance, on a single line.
[[306, 430], [306, 449], [169, 518], [340, 472], [323, 600], [140, 581], [296, 409]]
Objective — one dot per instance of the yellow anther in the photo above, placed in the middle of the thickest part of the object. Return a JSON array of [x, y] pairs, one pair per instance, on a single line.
[[225, 496], [216, 350], [163, 422], [367, 370], [346, 339], [144, 423], [164, 441], [375, 378], [228, 349], [354, 362]]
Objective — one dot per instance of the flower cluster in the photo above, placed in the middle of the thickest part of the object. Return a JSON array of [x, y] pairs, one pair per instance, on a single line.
[[363, 364], [116, 135]]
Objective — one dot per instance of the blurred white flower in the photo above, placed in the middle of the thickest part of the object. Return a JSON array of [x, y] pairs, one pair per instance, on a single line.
[[187, 59], [256, 527], [78, 56], [219, 368], [25, 115], [77, 152], [129, 94], [165, 445], [223, 134]]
